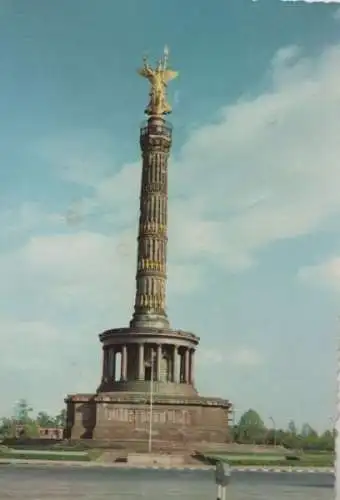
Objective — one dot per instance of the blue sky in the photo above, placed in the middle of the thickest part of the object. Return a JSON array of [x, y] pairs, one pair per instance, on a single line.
[[254, 251]]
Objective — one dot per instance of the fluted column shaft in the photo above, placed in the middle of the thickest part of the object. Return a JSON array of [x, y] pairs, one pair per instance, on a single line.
[[181, 367], [123, 366], [192, 367], [141, 372], [186, 365], [150, 306], [109, 362], [105, 363], [159, 359], [113, 365], [175, 365]]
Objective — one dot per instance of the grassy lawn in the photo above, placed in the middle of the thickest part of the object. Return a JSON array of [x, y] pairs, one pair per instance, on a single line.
[[249, 458], [48, 452], [71, 456], [77, 447]]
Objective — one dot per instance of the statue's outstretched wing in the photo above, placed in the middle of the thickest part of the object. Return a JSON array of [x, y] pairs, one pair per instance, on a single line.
[[143, 72], [169, 75]]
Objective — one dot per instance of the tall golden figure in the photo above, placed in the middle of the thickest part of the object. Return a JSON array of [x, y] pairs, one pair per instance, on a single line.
[[158, 78]]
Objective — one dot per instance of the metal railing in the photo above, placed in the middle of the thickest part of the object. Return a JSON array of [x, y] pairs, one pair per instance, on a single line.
[[161, 129]]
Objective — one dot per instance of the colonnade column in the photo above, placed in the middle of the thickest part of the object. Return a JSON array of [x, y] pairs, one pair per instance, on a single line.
[[113, 365], [158, 362], [141, 371], [186, 371], [192, 367], [181, 366], [175, 365], [186, 365], [123, 367], [105, 363]]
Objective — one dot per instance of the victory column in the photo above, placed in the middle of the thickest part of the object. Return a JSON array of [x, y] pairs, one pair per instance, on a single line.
[[154, 392]]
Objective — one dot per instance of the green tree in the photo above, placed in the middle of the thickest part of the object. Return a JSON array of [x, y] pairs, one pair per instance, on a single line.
[[327, 441], [22, 412], [291, 438], [275, 436], [309, 438], [7, 428], [60, 419], [30, 430], [22, 417], [308, 432], [251, 428], [292, 429], [45, 420]]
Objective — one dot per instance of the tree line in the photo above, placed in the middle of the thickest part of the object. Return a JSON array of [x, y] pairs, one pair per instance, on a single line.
[[250, 429], [23, 418]]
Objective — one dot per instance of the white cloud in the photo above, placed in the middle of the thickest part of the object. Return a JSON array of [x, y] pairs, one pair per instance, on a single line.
[[26, 342], [210, 356], [81, 270], [176, 99], [246, 357], [77, 156], [29, 216], [265, 170], [325, 274], [41, 361], [60, 292], [312, 1], [243, 357]]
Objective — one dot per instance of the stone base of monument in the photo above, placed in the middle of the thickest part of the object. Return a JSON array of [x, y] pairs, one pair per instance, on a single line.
[[118, 418]]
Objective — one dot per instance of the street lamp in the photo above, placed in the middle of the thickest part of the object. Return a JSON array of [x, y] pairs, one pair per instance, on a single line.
[[151, 401], [274, 428]]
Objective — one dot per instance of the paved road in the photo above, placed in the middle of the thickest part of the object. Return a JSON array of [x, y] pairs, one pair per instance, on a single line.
[[27, 482]]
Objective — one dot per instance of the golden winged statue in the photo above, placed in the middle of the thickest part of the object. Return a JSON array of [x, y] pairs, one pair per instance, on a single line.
[[158, 78]]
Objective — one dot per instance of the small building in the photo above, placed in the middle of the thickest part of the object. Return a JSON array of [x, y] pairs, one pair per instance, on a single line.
[[51, 433], [44, 432]]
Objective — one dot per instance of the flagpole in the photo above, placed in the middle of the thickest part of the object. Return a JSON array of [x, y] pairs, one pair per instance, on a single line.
[[151, 403]]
